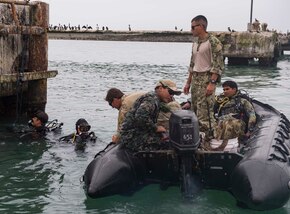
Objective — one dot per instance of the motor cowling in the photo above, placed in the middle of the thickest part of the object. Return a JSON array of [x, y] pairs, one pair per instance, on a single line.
[[184, 131], [184, 137]]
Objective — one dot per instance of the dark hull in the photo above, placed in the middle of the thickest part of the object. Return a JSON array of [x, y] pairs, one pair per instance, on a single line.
[[113, 171], [258, 178], [261, 179]]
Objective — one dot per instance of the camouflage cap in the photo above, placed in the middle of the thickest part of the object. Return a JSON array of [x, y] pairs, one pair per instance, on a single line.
[[169, 84]]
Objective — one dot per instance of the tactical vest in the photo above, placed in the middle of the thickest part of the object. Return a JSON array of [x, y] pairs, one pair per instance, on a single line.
[[233, 106]]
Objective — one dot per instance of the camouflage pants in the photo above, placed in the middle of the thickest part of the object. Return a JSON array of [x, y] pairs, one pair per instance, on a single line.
[[230, 128], [137, 140], [202, 105]]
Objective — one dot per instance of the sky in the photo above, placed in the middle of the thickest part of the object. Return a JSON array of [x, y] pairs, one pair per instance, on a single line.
[[166, 14]]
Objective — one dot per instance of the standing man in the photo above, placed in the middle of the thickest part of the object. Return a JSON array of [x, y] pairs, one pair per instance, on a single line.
[[204, 72], [118, 100], [139, 130]]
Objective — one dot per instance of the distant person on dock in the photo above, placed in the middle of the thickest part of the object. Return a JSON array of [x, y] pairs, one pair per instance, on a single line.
[[81, 136], [235, 114], [129, 28], [205, 70], [256, 26], [123, 102], [264, 27], [139, 130]]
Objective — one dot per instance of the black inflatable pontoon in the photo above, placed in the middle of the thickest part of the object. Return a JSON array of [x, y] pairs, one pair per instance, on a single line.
[[258, 176]]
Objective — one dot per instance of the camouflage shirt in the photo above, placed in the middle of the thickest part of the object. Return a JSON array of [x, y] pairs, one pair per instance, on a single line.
[[216, 55], [139, 126]]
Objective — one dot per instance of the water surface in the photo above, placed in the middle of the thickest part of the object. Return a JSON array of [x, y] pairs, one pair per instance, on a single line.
[[44, 176]]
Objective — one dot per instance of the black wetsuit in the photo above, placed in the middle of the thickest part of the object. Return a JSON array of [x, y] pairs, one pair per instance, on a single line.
[[79, 141]]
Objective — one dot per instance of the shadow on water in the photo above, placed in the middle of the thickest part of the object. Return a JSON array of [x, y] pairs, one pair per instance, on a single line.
[[25, 175], [153, 200], [23, 179]]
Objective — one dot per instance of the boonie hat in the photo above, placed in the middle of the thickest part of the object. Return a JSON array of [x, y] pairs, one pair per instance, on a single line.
[[169, 84], [42, 116]]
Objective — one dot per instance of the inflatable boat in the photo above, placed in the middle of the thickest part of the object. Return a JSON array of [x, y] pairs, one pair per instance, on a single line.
[[257, 173]]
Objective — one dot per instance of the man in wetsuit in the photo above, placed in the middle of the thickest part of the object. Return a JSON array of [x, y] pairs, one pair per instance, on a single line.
[[37, 128], [81, 136]]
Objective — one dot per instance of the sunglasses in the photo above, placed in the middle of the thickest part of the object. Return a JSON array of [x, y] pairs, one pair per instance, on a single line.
[[85, 128], [110, 102], [170, 91], [194, 26]]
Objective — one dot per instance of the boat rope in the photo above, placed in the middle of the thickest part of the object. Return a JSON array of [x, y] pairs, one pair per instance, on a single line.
[[284, 151], [285, 120], [284, 127], [282, 143], [281, 147], [285, 135], [19, 82], [276, 157]]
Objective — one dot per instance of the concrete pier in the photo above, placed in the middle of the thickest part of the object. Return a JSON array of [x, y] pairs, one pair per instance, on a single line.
[[23, 57], [239, 47]]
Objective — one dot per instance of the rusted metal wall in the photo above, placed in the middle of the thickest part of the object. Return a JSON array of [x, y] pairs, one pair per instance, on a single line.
[[23, 56]]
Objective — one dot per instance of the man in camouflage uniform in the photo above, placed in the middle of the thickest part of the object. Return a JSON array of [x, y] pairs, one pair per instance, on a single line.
[[166, 110], [123, 102], [204, 72], [236, 115], [139, 130]]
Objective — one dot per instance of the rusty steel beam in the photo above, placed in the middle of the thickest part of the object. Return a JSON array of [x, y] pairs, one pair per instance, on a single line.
[[25, 2], [27, 76]]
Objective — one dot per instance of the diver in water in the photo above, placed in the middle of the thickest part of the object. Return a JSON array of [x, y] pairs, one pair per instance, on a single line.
[[37, 128], [81, 136]]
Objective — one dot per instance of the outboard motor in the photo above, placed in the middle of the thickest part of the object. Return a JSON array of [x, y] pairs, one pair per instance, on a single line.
[[184, 136]]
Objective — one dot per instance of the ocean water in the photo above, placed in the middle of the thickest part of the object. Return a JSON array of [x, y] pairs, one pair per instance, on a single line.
[[45, 176]]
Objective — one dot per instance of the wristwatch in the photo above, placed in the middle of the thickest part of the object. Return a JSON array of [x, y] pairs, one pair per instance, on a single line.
[[212, 81]]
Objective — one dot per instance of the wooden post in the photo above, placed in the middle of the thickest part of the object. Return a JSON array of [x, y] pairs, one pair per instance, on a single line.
[[38, 59]]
